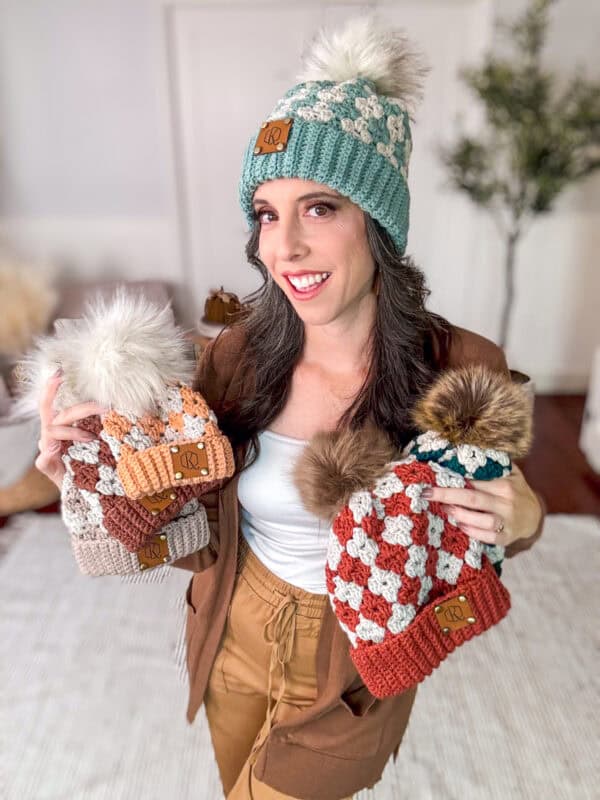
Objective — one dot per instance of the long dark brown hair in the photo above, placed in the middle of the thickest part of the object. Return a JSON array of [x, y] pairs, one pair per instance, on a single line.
[[403, 360]]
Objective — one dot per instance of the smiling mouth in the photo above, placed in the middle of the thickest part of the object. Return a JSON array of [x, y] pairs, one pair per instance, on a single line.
[[307, 283]]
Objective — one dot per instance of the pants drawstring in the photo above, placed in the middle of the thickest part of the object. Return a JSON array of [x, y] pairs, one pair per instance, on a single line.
[[284, 630], [280, 630]]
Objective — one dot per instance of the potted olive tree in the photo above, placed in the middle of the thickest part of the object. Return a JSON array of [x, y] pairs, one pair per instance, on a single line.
[[541, 135]]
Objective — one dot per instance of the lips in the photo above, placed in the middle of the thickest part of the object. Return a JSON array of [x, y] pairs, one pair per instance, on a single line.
[[306, 292]]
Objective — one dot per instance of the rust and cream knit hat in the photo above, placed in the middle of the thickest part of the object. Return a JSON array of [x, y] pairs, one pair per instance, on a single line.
[[407, 585]]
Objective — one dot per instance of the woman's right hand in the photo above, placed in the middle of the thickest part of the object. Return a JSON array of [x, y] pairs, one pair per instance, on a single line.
[[59, 427]]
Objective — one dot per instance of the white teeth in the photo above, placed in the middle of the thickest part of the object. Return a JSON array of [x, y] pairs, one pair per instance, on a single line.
[[308, 281]]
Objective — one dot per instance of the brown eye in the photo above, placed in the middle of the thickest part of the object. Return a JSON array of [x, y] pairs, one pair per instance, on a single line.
[[264, 216], [320, 210]]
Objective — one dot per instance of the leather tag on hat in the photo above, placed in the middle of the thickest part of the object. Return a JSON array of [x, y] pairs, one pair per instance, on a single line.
[[454, 614], [273, 136], [154, 552], [189, 460], [155, 503]]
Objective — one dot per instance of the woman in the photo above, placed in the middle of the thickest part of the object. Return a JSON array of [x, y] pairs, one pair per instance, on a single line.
[[338, 334]]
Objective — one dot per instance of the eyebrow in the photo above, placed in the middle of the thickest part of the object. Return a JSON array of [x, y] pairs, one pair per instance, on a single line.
[[309, 196]]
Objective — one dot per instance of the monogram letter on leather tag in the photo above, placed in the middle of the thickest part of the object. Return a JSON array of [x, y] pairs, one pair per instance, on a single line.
[[154, 552], [454, 614], [189, 460], [273, 136], [155, 503]]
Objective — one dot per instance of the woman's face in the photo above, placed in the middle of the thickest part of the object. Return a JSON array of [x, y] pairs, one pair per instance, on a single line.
[[313, 242]]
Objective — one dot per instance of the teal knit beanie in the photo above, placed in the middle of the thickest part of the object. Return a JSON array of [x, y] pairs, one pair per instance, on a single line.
[[345, 124]]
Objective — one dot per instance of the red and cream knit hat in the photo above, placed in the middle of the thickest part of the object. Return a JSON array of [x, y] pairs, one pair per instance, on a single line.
[[406, 584], [157, 449]]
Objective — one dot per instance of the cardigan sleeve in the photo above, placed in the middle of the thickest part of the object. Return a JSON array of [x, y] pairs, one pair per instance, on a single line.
[[213, 376], [466, 347]]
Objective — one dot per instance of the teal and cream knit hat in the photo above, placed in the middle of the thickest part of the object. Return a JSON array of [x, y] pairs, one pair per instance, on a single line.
[[345, 124]]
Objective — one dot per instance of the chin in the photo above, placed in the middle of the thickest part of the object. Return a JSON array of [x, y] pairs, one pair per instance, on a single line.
[[317, 316]]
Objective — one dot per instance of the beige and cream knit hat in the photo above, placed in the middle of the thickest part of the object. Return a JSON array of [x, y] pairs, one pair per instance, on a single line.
[[98, 553]]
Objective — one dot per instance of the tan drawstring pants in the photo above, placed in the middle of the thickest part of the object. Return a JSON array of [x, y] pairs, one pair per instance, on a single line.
[[264, 671]]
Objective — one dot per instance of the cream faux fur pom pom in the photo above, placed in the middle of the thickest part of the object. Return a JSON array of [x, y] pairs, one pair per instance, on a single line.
[[363, 48], [123, 353]]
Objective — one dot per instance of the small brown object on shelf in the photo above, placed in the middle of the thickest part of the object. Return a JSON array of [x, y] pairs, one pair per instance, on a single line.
[[221, 306]]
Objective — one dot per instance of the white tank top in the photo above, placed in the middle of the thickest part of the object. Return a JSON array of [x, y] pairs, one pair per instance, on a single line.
[[289, 541]]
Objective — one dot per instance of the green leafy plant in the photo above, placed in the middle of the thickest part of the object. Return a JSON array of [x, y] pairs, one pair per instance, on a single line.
[[541, 135]]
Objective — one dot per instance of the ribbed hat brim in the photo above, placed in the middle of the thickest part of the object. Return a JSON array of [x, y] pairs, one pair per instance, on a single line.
[[107, 556], [153, 470], [408, 658]]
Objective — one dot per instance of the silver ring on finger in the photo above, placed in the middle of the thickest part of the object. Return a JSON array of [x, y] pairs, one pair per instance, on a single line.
[[499, 527]]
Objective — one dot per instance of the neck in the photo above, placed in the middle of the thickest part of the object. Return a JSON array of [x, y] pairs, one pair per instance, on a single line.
[[342, 345]]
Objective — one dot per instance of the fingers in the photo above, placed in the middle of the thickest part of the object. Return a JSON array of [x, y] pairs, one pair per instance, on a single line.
[[63, 433], [478, 525], [488, 537], [47, 398], [49, 460], [483, 496], [44, 461], [477, 519], [56, 428], [77, 412], [471, 498]]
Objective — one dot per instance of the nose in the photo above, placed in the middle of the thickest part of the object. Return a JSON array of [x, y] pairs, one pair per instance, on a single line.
[[291, 242]]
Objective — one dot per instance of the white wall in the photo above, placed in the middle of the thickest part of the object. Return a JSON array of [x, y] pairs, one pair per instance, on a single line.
[[104, 112], [86, 168]]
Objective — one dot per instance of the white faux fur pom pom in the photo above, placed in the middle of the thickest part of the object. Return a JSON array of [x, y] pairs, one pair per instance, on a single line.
[[364, 49], [123, 353]]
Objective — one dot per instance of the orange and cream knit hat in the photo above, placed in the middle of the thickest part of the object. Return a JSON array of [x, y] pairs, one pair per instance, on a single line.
[[180, 444], [407, 585]]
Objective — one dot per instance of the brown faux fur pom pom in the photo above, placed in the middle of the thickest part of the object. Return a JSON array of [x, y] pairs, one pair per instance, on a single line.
[[478, 406], [336, 464]]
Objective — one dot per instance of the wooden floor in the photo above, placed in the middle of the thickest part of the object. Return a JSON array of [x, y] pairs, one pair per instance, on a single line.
[[556, 467]]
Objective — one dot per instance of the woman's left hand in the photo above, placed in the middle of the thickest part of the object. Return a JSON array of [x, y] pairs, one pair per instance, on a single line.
[[480, 511]]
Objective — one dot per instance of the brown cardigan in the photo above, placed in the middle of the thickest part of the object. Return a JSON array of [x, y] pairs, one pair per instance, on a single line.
[[342, 742]]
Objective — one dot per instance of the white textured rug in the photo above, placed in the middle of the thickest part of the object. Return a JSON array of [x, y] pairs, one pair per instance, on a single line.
[[93, 696]]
